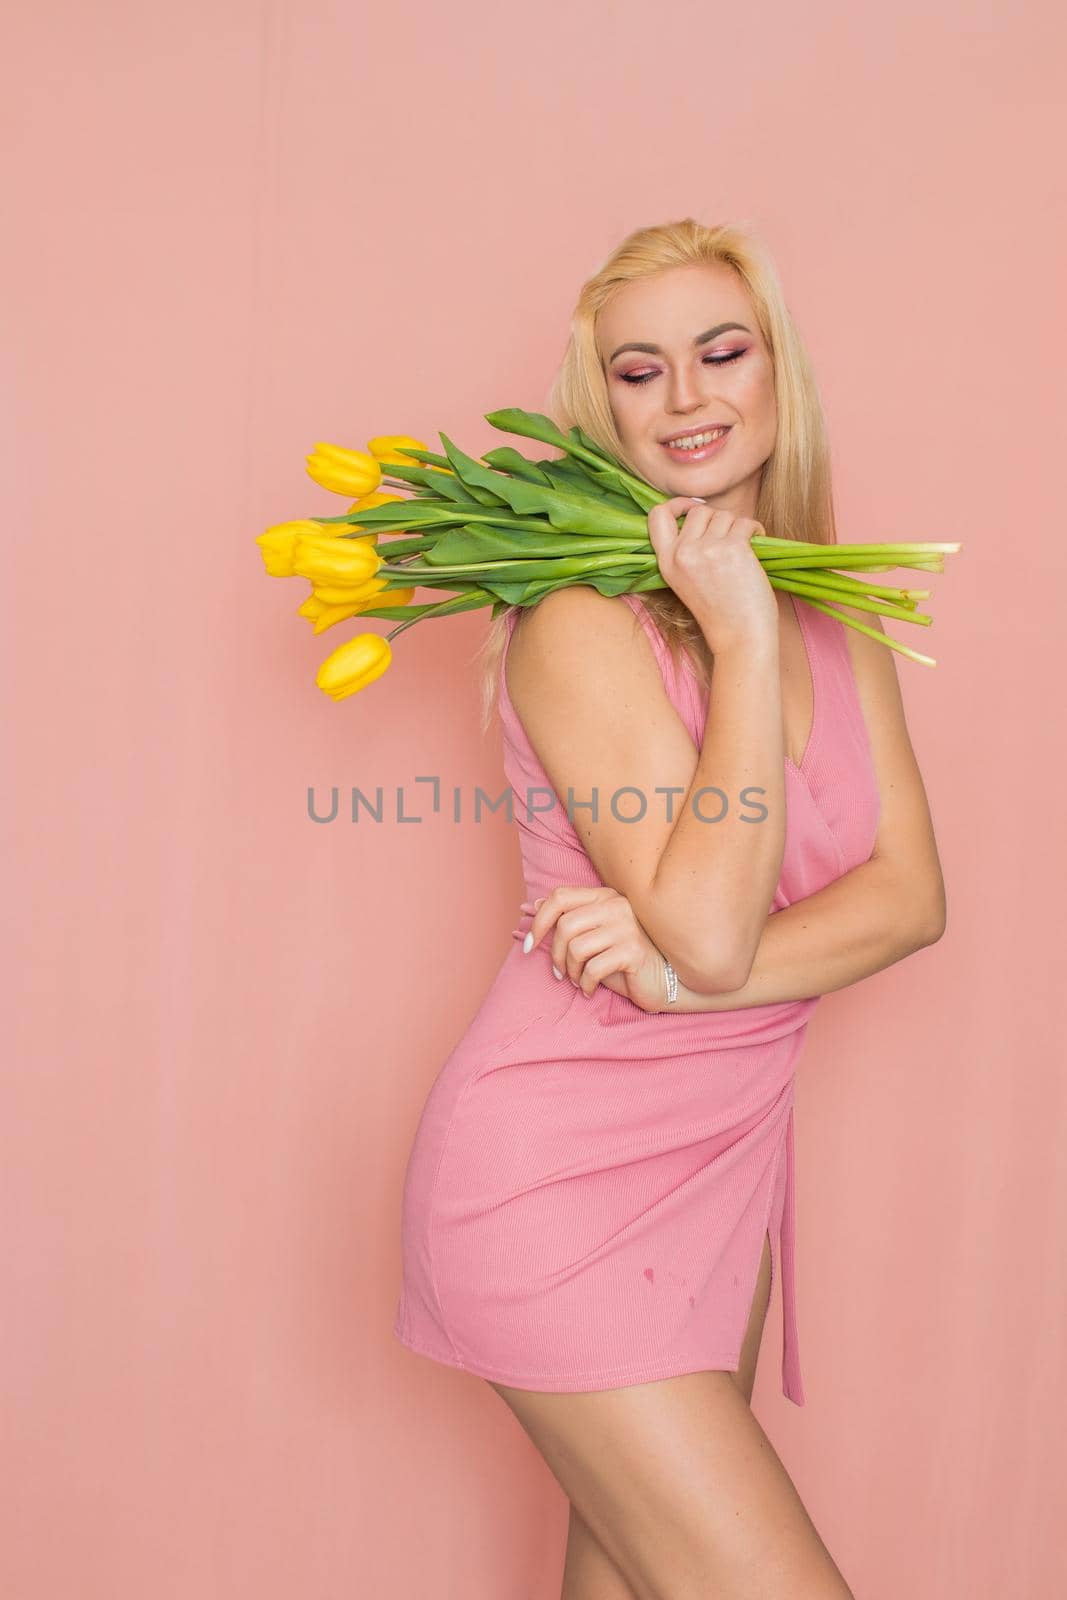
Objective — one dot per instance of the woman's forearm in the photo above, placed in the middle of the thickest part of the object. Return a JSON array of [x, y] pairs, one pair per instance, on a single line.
[[865, 920], [716, 876]]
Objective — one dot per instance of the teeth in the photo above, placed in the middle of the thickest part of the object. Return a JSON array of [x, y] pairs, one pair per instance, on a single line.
[[695, 441]]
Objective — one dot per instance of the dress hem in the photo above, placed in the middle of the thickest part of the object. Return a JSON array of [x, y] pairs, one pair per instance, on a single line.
[[579, 1382]]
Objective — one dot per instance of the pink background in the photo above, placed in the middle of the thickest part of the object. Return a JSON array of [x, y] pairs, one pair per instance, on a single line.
[[236, 229]]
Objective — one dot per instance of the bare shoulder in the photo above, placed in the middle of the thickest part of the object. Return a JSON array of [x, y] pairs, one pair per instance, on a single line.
[[577, 638], [573, 609]]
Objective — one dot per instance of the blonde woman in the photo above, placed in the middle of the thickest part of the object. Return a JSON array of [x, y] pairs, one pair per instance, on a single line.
[[721, 819]]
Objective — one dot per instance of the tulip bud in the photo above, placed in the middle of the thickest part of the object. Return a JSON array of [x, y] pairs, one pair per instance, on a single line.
[[278, 544], [345, 561], [354, 665], [349, 472], [388, 447]]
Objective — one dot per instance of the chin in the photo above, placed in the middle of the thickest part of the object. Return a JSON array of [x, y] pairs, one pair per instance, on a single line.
[[661, 477]]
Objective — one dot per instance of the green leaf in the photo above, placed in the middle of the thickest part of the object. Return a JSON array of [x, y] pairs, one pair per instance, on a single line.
[[522, 594], [534, 425], [420, 454], [401, 515], [591, 444], [483, 542], [528, 425], [470, 600], [570, 475], [505, 459], [481, 482], [566, 510]]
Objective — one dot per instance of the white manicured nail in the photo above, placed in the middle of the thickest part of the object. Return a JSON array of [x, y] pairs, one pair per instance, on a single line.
[[527, 944], [556, 970]]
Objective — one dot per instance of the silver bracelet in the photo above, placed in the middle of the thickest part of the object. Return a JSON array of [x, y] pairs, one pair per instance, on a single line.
[[672, 981]]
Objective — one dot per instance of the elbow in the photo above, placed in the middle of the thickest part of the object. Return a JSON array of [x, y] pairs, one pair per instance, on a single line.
[[934, 923], [712, 972], [917, 907]]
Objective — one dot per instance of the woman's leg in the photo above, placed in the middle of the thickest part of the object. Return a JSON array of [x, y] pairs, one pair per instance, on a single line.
[[588, 1571], [680, 1488]]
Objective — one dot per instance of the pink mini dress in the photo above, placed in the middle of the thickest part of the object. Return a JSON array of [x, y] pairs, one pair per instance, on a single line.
[[589, 1186]]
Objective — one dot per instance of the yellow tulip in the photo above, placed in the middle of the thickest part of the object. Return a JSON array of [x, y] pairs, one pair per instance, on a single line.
[[386, 447], [326, 616], [339, 594], [323, 614], [349, 561], [367, 501], [278, 544], [368, 541], [350, 472], [354, 665]]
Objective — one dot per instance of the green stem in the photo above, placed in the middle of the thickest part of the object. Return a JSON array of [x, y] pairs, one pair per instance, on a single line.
[[840, 581], [875, 633], [813, 591], [532, 570], [887, 591], [470, 600]]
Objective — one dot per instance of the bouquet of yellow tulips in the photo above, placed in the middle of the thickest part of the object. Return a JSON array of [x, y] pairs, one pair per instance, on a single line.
[[504, 530]]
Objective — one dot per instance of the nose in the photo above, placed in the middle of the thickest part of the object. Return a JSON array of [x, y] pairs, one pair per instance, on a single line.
[[684, 392]]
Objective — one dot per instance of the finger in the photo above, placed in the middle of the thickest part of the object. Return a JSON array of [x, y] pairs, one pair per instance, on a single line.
[[708, 521], [582, 948], [678, 503], [561, 899], [541, 922], [578, 922], [663, 517], [600, 967], [544, 912]]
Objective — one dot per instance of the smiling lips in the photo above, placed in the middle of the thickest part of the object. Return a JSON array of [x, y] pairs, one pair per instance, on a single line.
[[698, 445]]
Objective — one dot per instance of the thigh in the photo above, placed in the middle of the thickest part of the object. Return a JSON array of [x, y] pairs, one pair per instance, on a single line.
[[589, 1573], [682, 1489]]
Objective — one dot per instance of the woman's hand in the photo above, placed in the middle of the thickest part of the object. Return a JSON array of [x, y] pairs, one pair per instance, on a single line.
[[711, 566], [596, 938]]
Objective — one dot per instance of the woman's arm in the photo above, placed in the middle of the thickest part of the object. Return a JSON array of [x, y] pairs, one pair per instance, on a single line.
[[863, 921], [882, 910], [583, 678]]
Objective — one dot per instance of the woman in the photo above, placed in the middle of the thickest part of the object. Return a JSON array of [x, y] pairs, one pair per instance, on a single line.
[[721, 819]]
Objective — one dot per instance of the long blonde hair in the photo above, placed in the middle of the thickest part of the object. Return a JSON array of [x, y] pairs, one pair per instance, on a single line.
[[795, 499]]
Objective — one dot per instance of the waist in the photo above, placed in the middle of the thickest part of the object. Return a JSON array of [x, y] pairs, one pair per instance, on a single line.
[[650, 1034]]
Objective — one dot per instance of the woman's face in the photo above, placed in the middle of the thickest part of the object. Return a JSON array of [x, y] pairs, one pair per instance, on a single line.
[[680, 380]]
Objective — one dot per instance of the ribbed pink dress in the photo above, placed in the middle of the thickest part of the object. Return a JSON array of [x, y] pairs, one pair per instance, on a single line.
[[590, 1185]]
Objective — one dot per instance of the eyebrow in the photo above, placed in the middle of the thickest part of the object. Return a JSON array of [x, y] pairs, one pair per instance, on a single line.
[[701, 338]]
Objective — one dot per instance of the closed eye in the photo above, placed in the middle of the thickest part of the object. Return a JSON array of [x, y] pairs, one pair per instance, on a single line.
[[713, 361]]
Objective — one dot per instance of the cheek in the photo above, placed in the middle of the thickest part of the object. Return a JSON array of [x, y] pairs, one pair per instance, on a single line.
[[757, 384], [629, 410], [758, 399]]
